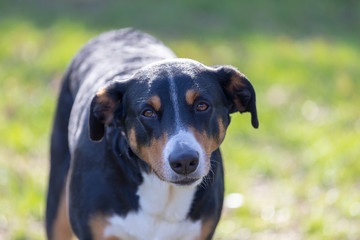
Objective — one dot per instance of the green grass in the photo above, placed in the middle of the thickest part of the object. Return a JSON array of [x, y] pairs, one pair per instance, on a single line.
[[298, 173]]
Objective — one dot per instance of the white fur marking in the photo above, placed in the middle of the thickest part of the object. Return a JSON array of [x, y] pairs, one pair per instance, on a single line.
[[174, 99], [185, 138], [162, 214]]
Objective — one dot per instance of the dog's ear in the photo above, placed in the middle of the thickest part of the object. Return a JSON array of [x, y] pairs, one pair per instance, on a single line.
[[239, 91], [106, 104]]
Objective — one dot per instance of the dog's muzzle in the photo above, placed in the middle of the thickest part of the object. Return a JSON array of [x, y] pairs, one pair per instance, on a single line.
[[184, 160]]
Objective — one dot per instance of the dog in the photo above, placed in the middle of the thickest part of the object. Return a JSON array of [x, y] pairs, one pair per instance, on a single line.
[[135, 142]]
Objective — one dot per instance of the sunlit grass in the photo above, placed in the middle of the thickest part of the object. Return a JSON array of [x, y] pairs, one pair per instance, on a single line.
[[297, 174]]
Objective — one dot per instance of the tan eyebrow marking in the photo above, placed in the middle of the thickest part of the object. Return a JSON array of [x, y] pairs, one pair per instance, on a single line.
[[155, 102], [190, 96]]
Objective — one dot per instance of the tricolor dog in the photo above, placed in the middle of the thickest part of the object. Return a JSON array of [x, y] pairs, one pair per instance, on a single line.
[[135, 142]]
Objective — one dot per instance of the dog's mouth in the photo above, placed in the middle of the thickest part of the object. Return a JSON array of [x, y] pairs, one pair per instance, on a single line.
[[186, 181]]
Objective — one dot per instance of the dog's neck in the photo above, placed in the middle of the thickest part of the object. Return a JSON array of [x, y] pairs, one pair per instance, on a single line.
[[163, 213], [164, 200]]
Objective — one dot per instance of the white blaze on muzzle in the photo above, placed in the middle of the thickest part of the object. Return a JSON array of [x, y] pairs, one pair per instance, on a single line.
[[186, 140]]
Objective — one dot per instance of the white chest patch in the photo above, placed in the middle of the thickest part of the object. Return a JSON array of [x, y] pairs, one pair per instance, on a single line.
[[162, 213]]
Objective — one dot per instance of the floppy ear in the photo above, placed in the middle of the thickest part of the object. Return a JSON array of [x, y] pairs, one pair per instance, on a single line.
[[104, 106], [239, 92]]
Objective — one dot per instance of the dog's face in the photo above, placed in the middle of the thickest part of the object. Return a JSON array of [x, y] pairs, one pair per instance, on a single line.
[[174, 114]]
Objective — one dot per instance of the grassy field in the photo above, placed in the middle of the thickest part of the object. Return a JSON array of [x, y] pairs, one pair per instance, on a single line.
[[296, 177]]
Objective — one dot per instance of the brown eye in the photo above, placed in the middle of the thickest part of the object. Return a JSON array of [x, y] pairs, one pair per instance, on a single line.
[[148, 113], [201, 107]]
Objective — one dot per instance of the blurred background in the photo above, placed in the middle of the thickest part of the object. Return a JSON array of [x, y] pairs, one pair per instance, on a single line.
[[296, 177]]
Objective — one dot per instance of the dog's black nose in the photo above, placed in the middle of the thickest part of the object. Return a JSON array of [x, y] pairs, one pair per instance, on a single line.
[[184, 161]]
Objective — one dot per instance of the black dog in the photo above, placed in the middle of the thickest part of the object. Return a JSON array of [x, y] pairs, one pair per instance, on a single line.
[[135, 142]]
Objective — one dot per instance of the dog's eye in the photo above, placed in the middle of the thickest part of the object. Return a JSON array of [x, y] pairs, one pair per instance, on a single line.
[[148, 113], [200, 107]]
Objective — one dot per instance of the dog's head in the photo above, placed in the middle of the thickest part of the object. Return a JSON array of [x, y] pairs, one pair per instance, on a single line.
[[174, 114]]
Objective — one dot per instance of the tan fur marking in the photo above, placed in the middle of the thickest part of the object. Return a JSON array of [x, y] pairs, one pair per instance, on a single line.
[[190, 96], [207, 143], [153, 154], [132, 139], [236, 83], [108, 105], [61, 228], [101, 92], [236, 80], [97, 224], [222, 130], [155, 102], [239, 105], [206, 229]]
